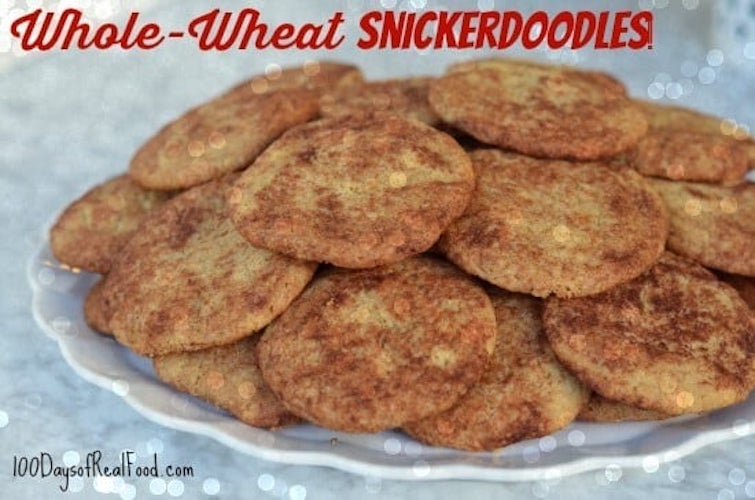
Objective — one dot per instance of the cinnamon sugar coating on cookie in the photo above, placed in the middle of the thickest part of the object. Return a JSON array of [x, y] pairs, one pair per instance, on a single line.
[[664, 117], [229, 377], [187, 280], [228, 132], [354, 191], [92, 230], [219, 137], [553, 227], [524, 393], [539, 111], [691, 156], [368, 350], [675, 340], [407, 97], [512, 64], [713, 225]]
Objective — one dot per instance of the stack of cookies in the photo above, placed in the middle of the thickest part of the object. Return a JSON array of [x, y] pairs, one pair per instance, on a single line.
[[476, 259]]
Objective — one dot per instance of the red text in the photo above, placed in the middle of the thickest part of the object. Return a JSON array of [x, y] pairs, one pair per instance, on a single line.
[[500, 30], [44, 31]]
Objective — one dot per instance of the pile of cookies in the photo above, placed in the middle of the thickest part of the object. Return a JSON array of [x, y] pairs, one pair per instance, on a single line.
[[476, 259]]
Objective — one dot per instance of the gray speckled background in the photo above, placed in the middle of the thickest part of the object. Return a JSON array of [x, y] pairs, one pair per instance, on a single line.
[[69, 120]]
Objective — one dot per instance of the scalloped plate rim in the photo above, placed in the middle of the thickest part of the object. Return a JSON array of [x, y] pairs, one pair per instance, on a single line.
[[139, 399]]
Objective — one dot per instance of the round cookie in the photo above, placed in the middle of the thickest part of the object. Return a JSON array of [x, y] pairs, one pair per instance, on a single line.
[[691, 156], [512, 64], [312, 75], [675, 340], [601, 410], [713, 225], [228, 377], [93, 229], [367, 350], [666, 117], [96, 314], [353, 191], [219, 137], [187, 280], [663, 116], [407, 97], [524, 393], [539, 111], [552, 227]]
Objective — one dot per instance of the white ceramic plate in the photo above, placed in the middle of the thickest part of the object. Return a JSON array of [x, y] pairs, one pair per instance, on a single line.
[[58, 296]]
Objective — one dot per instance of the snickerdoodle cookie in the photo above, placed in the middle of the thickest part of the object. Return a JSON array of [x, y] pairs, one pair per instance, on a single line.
[[373, 349], [356, 192]]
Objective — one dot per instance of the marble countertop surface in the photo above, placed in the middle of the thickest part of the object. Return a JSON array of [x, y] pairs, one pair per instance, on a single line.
[[71, 119]]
